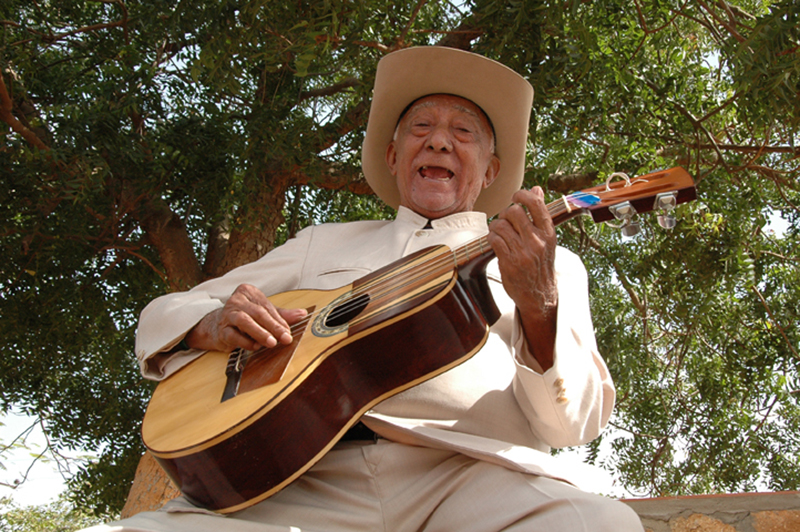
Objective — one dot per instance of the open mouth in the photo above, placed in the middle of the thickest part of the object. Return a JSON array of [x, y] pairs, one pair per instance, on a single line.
[[437, 173]]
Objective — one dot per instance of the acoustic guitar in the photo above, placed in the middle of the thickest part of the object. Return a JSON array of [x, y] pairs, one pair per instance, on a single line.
[[231, 429]]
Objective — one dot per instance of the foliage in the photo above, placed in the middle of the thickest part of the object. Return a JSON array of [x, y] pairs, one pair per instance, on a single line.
[[698, 326], [149, 145], [57, 516]]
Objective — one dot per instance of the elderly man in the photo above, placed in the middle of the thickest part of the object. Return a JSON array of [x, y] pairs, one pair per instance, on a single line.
[[468, 449]]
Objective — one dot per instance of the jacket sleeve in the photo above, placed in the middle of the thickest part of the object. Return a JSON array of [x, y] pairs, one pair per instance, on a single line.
[[570, 403], [166, 320]]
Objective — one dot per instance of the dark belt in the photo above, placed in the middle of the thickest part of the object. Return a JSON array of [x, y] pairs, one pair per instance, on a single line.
[[359, 431]]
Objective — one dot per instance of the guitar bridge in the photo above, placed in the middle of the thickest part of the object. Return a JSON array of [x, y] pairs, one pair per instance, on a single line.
[[233, 373]]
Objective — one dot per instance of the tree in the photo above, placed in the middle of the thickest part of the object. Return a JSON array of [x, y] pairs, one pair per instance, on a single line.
[[151, 145], [57, 516]]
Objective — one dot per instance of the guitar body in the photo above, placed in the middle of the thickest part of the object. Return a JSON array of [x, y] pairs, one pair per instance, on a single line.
[[226, 454]]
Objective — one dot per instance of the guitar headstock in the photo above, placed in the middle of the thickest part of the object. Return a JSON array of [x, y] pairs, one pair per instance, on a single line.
[[621, 200]]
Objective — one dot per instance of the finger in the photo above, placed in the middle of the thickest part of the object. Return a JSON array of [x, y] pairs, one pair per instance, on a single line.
[[233, 337], [271, 324], [503, 236], [516, 215], [497, 242], [539, 215], [292, 315], [285, 318], [517, 230], [252, 315]]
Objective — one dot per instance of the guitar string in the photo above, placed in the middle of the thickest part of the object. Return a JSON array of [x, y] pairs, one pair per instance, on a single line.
[[434, 267], [475, 246], [382, 288], [554, 208], [563, 204], [431, 266]]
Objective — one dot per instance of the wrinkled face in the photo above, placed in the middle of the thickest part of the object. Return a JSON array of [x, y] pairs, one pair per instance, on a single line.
[[442, 156]]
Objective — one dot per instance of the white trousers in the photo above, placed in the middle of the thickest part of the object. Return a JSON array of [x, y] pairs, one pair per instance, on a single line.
[[392, 487]]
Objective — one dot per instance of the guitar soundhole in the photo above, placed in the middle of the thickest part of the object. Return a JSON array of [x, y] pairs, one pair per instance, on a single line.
[[345, 312]]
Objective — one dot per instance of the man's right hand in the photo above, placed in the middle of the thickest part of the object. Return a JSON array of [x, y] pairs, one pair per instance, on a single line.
[[248, 320]]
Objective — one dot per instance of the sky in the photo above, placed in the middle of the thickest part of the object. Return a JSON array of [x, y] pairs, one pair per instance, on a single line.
[[44, 482]]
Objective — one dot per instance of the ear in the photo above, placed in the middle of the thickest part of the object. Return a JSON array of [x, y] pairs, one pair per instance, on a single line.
[[491, 171], [391, 158]]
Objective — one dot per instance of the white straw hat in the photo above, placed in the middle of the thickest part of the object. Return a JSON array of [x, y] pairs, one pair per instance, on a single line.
[[410, 74]]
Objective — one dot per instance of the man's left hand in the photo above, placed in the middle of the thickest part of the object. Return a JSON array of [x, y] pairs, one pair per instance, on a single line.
[[525, 247]]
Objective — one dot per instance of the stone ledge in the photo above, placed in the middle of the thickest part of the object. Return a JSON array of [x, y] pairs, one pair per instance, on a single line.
[[739, 512]]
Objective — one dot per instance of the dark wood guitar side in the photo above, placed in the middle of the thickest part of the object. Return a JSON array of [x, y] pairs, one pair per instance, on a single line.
[[231, 429]]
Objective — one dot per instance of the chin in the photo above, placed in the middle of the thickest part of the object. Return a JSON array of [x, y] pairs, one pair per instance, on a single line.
[[434, 214]]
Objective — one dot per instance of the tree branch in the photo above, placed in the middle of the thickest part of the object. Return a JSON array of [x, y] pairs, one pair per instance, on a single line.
[[623, 279], [344, 124], [462, 36], [734, 11], [335, 177], [749, 149], [401, 39], [567, 183], [723, 23], [331, 90], [54, 37], [7, 116], [774, 321]]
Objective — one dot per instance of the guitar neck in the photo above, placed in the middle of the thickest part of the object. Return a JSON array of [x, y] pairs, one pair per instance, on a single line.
[[641, 194], [560, 211]]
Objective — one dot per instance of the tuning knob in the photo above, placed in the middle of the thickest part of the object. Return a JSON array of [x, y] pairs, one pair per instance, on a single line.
[[630, 228], [667, 221], [666, 202], [626, 212]]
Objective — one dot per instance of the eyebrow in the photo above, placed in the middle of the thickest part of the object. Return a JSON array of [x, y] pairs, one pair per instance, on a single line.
[[415, 105], [456, 106]]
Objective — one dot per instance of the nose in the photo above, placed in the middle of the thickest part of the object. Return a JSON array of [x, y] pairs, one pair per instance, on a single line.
[[439, 140]]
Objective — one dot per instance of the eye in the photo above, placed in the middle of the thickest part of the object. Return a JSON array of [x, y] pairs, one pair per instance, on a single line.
[[420, 128], [464, 126], [463, 132]]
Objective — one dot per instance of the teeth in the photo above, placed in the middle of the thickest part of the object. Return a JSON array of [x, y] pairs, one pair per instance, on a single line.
[[436, 172]]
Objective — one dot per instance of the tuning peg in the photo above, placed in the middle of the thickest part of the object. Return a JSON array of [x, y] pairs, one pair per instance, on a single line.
[[626, 213], [630, 228], [666, 202], [666, 221]]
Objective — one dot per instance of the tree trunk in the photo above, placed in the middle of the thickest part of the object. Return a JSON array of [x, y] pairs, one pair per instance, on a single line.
[[256, 225], [167, 233], [150, 490]]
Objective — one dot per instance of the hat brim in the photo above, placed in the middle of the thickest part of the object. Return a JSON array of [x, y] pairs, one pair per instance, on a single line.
[[407, 75]]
